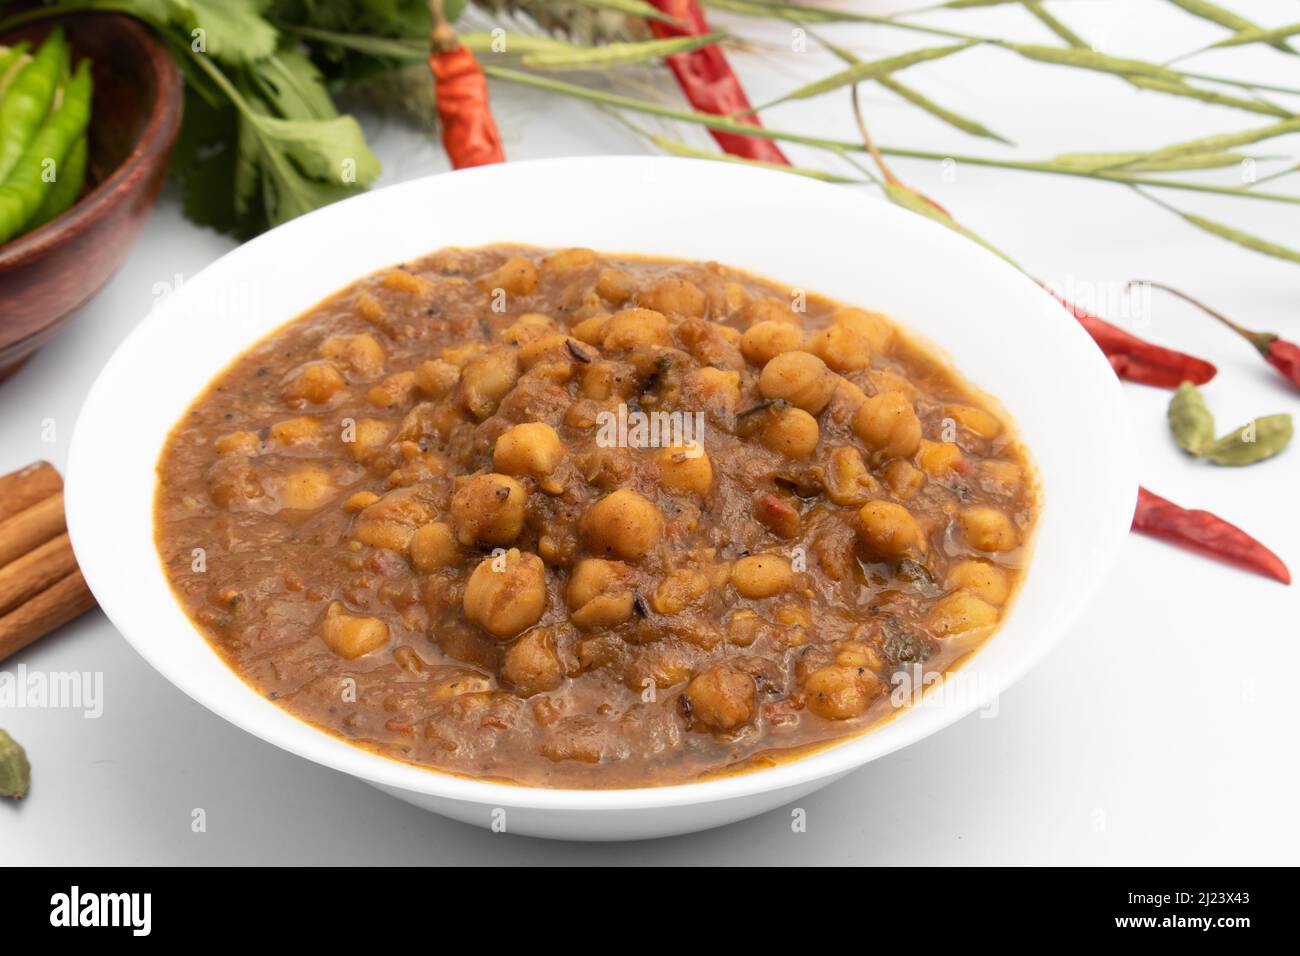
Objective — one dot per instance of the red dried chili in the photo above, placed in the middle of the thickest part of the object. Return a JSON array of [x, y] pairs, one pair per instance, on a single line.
[[1135, 359], [469, 133], [709, 83], [1207, 533], [1277, 351]]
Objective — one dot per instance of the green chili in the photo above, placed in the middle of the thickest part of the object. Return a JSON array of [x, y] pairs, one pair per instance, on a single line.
[[28, 99], [67, 187], [22, 193]]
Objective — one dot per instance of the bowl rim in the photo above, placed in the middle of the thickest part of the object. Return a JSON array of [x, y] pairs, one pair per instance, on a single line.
[[158, 134], [833, 760]]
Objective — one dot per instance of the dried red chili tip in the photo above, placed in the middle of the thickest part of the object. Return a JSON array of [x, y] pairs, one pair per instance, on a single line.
[[1277, 351], [1135, 359], [469, 133], [709, 83], [1206, 533]]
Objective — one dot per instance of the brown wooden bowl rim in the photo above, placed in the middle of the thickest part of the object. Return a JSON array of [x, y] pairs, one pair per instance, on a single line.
[[156, 140]]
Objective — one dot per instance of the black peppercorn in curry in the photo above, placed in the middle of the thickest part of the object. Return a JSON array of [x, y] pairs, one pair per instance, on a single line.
[[580, 520]]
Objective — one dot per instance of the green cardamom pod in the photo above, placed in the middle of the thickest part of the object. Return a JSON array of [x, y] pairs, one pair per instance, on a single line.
[[1190, 420], [15, 771], [1252, 442]]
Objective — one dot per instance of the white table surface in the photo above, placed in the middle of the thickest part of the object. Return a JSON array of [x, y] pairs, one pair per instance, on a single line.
[[1163, 729]]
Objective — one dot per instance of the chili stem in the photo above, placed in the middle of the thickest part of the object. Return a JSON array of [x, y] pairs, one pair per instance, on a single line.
[[1254, 337]]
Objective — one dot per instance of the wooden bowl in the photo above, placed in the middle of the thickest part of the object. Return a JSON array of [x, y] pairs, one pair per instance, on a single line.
[[47, 274]]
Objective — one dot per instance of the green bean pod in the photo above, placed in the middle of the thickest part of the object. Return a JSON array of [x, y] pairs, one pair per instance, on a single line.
[[67, 187], [26, 187], [9, 63], [27, 101]]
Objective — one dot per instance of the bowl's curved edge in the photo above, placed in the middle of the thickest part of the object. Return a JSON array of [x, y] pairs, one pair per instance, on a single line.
[[835, 760]]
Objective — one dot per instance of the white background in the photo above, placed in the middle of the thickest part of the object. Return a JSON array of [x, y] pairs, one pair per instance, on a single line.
[[1162, 730]]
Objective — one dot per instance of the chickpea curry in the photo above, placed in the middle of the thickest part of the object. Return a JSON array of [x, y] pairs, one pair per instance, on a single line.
[[571, 519]]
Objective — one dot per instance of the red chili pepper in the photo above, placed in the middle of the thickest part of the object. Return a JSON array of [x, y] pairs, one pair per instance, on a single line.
[[1277, 351], [1207, 533], [1135, 359], [709, 83], [469, 133]]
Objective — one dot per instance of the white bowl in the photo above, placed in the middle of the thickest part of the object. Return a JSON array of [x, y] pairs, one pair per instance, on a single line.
[[1003, 332]]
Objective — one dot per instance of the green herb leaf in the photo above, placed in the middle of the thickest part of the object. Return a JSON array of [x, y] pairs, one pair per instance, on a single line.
[[15, 770], [1190, 419], [1255, 441]]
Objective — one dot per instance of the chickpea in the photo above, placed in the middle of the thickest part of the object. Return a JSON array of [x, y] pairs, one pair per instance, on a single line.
[[841, 348], [723, 698], [615, 286], [531, 665], [800, 378], [592, 330], [349, 636], [685, 470], [624, 524], [436, 378], [566, 261], [903, 478], [1004, 477], [764, 341], [360, 501], [873, 327], [295, 431], [661, 666], [939, 458], [369, 436], [840, 692], [532, 448], [529, 326], [307, 488], [848, 480], [517, 276], [761, 575], [680, 590], [434, 546], [636, 329], [888, 425], [976, 420], [986, 581], [791, 432], [399, 280], [889, 530], [988, 529], [391, 521], [715, 385], [489, 509], [361, 353], [960, 613], [394, 390], [600, 593], [769, 310], [487, 379], [674, 296], [506, 601], [238, 443], [315, 383]]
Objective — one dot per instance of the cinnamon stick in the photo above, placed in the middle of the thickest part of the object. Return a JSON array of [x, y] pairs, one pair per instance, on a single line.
[[31, 527], [27, 486], [35, 571], [48, 610], [41, 588]]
